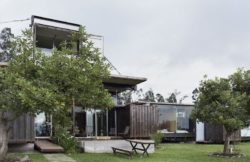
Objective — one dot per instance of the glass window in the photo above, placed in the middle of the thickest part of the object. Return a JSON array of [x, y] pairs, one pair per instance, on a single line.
[[167, 118], [43, 125], [80, 122], [111, 123], [175, 118], [101, 122], [90, 123]]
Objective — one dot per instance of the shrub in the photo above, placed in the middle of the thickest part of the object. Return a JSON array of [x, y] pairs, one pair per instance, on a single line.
[[157, 137], [63, 138]]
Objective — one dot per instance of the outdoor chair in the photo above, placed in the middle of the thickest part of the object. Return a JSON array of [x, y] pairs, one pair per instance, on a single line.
[[125, 133]]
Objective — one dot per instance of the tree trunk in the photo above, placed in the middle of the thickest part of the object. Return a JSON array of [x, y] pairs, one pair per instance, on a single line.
[[226, 150], [3, 138]]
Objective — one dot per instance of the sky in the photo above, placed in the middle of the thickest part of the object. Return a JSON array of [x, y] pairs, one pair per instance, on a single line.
[[173, 43]]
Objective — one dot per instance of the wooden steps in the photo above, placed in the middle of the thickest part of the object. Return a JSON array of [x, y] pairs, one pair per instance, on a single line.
[[46, 146]]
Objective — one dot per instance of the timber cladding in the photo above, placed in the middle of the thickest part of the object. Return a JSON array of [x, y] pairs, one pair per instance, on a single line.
[[216, 133], [22, 129], [143, 120]]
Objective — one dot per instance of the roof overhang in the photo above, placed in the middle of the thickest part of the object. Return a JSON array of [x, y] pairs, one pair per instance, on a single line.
[[162, 103], [119, 83], [3, 64]]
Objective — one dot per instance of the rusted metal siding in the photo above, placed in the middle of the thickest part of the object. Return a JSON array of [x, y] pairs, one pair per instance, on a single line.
[[143, 120], [22, 129]]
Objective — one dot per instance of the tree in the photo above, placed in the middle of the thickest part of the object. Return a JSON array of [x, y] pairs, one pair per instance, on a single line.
[[172, 98], [5, 44], [159, 98], [125, 97], [20, 90], [149, 96], [241, 84], [34, 82], [218, 102]]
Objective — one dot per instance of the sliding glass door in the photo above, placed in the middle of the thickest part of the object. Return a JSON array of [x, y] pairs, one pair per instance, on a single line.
[[43, 125], [94, 122], [102, 125]]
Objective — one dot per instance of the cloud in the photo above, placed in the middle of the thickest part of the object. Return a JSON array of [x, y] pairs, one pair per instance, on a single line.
[[171, 42]]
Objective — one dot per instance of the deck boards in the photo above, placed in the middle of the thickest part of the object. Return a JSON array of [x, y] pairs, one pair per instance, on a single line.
[[46, 146]]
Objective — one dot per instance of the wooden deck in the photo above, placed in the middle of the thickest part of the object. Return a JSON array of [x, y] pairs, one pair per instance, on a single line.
[[46, 146], [178, 137]]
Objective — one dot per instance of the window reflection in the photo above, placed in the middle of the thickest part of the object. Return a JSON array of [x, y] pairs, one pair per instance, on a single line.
[[43, 125], [175, 118]]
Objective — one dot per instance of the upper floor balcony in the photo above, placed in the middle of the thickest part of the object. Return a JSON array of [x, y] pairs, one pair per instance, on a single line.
[[50, 33]]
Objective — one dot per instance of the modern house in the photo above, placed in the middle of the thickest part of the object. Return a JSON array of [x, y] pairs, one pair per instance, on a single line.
[[135, 120], [90, 123]]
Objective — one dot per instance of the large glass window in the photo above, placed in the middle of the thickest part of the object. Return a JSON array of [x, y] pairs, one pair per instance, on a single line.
[[80, 122], [101, 122], [175, 118], [92, 122], [43, 125], [112, 122], [183, 114], [167, 118]]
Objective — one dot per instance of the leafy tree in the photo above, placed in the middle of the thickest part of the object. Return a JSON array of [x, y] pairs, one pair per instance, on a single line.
[[20, 90], [241, 84], [5, 44], [159, 98], [125, 97], [172, 98], [222, 101], [149, 96], [34, 82]]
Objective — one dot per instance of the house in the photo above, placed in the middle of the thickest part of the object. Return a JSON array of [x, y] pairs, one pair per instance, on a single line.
[[140, 119], [90, 123]]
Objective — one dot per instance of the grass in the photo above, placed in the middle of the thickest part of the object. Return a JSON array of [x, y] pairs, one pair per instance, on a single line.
[[37, 157], [166, 153]]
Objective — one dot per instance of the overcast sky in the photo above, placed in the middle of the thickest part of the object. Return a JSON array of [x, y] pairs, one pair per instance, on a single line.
[[173, 43]]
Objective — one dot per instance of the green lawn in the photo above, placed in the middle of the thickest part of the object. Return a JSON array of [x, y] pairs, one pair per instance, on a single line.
[[167, 153]]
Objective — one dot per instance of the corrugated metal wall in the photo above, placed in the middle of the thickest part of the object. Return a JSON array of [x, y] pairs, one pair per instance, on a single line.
[[22, 130], [143, 120]]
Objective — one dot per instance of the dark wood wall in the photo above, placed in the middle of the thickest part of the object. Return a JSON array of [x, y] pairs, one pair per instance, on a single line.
[[216, 134], [143, 120], [22, 130], [123, 118]]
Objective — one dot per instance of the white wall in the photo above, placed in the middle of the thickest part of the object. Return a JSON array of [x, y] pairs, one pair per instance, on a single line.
[[245, 132], [200, 136]]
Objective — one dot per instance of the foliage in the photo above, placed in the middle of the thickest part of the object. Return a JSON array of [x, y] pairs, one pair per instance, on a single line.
[[125, 97], [150, 96], [63, 138], [172, 98], [78, 74], [157, 137], [34, 82], [5, 44], [241, 84], [159, 98], [223, 101]]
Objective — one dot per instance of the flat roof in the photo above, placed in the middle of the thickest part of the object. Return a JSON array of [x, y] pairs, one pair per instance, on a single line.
[[33, 17], [163, 103], [3, 64], [125, 80]]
